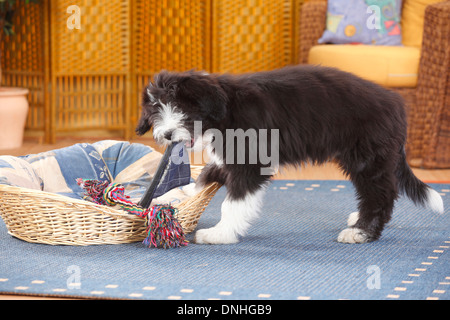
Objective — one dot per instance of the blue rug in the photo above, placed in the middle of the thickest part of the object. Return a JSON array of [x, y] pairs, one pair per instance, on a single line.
[[291, 252]]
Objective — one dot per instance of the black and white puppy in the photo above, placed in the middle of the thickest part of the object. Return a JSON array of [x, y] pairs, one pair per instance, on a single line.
[[318, 113]]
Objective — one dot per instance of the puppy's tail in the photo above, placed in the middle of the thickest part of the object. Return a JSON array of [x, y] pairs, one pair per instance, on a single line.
[[416, 190]]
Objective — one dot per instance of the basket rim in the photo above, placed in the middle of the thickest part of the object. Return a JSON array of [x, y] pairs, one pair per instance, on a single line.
[[107, 210]]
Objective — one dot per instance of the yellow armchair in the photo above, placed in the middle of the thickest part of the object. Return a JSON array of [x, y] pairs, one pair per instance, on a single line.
[[427, 96]]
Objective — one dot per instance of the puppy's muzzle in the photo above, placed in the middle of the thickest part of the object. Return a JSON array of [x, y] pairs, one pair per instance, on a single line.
[[168, 135], [178, 136]]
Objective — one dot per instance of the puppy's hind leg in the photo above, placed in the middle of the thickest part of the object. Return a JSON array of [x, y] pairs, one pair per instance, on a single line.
[[237, 215], [377, 191]]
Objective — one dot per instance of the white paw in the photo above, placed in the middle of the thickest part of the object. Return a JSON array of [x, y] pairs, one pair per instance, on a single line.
[[190, 190], [352, 235], [215, 235], [352, 218]]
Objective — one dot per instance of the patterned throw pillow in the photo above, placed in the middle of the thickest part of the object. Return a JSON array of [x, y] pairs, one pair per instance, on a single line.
[[363, 21]]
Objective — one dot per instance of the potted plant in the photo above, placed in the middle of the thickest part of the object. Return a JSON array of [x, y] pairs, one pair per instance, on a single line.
[[13, 101]]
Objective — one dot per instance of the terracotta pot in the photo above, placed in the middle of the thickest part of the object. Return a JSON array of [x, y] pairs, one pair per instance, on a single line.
[[13, 115]]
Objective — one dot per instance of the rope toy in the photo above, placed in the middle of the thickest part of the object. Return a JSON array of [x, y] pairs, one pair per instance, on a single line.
[[162, 227]]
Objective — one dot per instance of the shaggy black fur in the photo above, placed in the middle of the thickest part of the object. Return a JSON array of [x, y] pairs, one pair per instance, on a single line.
[[322, 114]]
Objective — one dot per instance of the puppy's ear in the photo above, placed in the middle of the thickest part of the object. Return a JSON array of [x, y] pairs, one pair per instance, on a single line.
[[148, 98], [143, 126], [213, 102], [204, 91]]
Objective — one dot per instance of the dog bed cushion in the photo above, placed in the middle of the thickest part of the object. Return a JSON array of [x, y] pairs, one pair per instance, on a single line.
[[56, 171]]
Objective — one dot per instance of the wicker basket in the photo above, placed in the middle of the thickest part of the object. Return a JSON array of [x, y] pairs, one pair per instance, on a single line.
[[43, 217]]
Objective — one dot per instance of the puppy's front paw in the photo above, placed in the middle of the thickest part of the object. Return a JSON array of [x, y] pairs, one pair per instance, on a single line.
[[215, 235], [353, 218], [191, 190], [353, 235]]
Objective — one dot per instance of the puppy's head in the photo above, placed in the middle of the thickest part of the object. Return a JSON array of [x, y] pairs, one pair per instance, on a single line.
[[174, 101]]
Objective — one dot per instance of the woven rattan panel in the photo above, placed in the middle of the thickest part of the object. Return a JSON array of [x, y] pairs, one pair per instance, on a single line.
[[102, 43], [90, 66], [171, 35], [90, 102], [92, 77], [252, 35], [23, 59], [429, 128]]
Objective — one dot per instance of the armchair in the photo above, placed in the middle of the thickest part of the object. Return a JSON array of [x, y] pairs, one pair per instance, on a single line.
[[428, 104]]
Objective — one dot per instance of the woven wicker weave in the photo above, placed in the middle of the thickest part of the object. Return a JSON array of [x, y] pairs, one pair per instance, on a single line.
[[92, 78], [170, 35], [428, 104], [43, 217], [24, 61], [429, 133], [90, 67], [312, 24], [99, 46], [252, 36]]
